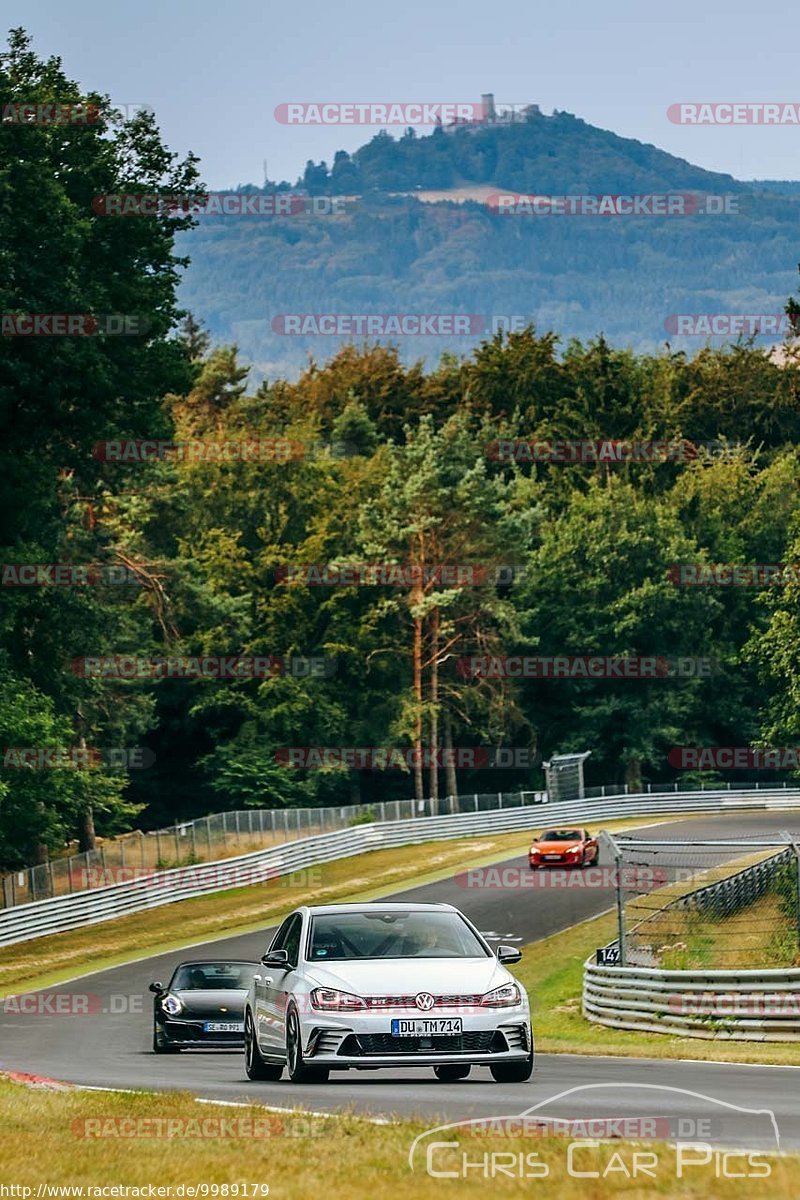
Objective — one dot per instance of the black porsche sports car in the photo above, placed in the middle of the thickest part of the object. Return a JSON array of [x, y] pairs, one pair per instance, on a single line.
[[202, 1006]]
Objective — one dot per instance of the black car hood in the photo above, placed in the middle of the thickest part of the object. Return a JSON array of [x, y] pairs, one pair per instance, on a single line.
[[212, 1002]]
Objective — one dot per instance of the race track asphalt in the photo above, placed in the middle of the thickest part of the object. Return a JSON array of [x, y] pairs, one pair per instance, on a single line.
[[111, 1046]]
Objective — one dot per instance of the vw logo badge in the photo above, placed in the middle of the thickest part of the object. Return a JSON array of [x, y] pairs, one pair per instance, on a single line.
[[424, 1001]]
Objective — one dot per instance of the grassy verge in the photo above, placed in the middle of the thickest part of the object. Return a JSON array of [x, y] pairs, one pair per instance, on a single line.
[[760, 935], [552, 971], [299, 1156]]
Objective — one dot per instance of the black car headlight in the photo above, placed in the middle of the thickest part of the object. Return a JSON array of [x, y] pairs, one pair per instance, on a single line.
[[171, 1005]]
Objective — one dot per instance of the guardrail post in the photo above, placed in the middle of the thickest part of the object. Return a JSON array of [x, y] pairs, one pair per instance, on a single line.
[[796, 849], [616, 850]]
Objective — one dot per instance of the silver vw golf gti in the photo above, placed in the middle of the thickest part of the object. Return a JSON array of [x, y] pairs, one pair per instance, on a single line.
[[362, 986]]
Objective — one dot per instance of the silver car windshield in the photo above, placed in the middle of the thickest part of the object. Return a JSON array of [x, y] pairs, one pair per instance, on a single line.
[[342, 936]]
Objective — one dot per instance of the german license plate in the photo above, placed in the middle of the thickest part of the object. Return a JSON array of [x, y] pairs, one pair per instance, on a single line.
[[425, 1026], [223, 1026], [551, 857]]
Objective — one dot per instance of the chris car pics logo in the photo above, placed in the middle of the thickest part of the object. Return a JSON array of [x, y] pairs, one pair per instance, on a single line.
[[602, 1132]]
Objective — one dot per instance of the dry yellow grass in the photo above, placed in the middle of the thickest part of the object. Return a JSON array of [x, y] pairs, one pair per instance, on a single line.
[[299, 1157]]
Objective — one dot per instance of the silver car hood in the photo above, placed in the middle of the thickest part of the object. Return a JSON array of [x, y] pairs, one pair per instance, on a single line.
[[404, 976]]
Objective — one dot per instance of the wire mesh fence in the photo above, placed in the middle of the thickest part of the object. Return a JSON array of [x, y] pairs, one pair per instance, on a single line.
[[708, 905], [221, 836]]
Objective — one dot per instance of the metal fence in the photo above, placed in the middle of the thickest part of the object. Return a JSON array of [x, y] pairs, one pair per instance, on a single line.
[[745, 910], [717, 903], [92, 905], [221, 836]]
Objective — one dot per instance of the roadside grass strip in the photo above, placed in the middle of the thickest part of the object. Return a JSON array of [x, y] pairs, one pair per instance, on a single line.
[[139, 1140]]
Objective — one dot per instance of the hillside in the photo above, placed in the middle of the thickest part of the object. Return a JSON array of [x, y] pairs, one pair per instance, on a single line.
[[437, 250]]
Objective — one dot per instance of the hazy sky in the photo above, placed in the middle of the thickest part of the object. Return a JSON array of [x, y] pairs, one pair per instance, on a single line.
[[214, 71]]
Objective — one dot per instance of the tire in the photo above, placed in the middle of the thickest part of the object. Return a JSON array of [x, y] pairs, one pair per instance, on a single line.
[[254, 1065], [299, 1070], [513, 1072], [450, 1072], [158, 1048]]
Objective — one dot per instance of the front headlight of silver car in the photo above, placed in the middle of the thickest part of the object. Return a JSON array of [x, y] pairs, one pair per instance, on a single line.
[[171, 1005], [506, 996], [332, 1000]]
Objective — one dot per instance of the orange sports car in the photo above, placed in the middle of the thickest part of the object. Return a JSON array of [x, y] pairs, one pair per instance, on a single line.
[[564, 848]]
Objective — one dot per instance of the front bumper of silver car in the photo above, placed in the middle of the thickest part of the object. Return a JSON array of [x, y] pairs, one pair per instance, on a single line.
[[369, 1043]]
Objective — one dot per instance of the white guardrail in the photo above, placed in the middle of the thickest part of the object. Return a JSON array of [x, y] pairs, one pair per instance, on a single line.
[[61, 913], [758, 1004], [752, 1006]]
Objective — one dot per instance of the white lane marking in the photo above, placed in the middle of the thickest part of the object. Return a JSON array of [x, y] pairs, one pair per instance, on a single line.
[[699, 1062], [306, 1112]]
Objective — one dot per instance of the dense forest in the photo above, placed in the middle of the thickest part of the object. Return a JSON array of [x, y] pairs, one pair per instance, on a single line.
[[196, 551]]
